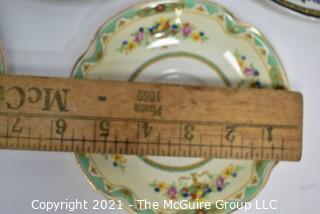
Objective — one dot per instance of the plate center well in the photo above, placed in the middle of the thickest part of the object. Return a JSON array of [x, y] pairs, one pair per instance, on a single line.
[[178, 68]]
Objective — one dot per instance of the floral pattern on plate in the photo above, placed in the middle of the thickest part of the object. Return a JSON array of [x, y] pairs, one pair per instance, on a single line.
[[197, 186], [251, 73], [117, 161], [163, 27]]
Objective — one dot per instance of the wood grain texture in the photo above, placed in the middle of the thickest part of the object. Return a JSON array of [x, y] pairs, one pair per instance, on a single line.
[[53, 114]]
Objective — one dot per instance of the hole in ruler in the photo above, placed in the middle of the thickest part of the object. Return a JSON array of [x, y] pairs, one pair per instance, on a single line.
[[102, 98]]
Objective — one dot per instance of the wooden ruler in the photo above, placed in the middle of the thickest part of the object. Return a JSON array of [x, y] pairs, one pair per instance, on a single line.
[[52, 114]]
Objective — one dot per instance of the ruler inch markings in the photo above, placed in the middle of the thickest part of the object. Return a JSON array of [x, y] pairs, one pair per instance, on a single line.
[[93, 118], [149, 119], [157, 143]]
